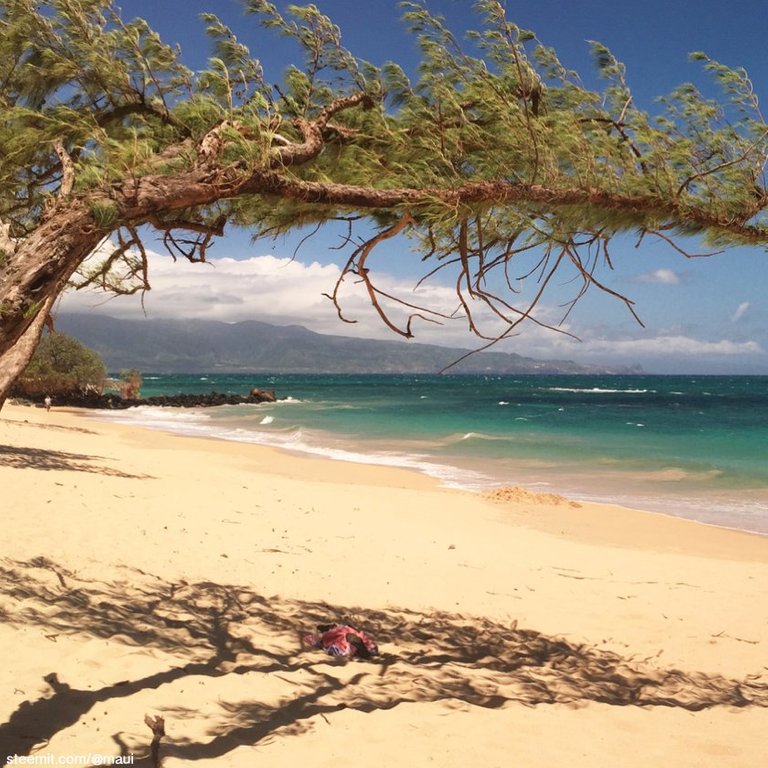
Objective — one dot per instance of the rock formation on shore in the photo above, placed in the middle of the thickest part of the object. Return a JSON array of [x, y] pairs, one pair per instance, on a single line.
[[109, 401]]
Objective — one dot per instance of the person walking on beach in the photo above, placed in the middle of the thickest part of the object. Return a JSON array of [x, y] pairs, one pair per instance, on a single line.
[[47, 402]]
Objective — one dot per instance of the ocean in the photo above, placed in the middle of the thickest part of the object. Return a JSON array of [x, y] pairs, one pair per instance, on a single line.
[[690, 446]]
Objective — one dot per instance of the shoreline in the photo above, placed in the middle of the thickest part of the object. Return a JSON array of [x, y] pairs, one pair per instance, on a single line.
[[161, 575], [316, 467], [728, 511]]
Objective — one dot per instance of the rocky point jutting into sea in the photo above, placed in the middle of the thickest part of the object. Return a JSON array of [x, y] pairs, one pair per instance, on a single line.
[[116, 402]]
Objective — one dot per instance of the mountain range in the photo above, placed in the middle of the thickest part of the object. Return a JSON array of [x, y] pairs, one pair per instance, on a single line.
[[206, 346]]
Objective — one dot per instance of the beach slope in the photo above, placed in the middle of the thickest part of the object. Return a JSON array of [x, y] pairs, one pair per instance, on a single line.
[[148, 575]]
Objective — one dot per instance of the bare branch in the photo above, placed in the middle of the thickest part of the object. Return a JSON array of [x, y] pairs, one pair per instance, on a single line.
[[131, 254], [357, 266], [8, 244], [589, 279], [312, 133], [193, 249], [157, 726], [213, 142], [67, 169], [674, 245]]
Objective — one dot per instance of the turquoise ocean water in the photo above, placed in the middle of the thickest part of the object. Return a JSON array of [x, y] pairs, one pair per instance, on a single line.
[[693, 446]]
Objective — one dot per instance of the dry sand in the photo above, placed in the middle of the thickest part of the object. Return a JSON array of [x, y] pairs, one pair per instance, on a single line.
[[146, 574]]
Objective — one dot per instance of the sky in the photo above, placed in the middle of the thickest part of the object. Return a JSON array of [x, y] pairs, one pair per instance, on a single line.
[[700, 315]]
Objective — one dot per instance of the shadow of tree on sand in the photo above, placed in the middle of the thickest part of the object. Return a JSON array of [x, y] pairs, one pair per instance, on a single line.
[[18, 457], [427, 657]]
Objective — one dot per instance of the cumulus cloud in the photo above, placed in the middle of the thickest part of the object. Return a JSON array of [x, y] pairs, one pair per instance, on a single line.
[[271, 289], [662, 276], [285, 291], [223, 289], [741, 310]]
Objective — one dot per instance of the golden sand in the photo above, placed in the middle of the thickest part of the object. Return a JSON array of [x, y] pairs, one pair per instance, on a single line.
[[151, 575]]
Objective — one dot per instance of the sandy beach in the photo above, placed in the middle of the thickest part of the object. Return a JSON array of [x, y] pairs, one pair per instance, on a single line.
[[146, 574]]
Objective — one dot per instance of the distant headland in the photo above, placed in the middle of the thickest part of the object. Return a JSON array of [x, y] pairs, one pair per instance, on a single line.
[[205, 346]]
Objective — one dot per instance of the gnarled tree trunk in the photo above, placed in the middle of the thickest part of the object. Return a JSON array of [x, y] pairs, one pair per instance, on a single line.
[[16, 359], [32, 277]]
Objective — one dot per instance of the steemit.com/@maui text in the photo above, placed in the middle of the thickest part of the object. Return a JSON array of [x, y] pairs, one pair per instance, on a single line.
[[50, 759]]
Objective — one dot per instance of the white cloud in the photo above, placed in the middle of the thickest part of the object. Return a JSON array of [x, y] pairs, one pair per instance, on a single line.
[[672, 346], [284, 291], [741, 310], [271, 289], [223, 289], [662, 276], [671, 352]]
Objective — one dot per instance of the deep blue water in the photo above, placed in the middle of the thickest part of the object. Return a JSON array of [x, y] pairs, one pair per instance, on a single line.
[[694, 446]]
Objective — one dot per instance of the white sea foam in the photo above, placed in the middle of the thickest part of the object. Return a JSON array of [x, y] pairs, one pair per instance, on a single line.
[[198, 424], [601, 390], [303, 442], [149, 415], [267, 420], [483, 436]]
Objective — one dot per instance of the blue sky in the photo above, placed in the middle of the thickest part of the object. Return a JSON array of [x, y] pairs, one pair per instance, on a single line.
[[701, 315]]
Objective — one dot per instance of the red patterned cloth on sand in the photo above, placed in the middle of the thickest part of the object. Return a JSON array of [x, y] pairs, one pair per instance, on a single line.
[[342, 640]]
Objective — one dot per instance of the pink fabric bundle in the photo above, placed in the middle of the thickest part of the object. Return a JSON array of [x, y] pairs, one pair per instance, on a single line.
[[342, 640]]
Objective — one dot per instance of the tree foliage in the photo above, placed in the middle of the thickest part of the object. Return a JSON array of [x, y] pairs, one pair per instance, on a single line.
[[130, 384], [62, 365], [493, 159]]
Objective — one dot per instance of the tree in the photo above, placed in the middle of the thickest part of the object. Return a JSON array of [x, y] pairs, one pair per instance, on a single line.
[[130, 384], [61, 365], [496, 162]]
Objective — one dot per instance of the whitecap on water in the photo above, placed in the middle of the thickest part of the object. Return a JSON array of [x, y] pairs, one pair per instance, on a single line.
[[600, 390]]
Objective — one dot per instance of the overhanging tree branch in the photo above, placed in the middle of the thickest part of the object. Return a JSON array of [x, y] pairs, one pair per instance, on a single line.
[[499, 164]]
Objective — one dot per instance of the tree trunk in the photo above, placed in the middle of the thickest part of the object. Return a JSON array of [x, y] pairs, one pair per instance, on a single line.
[[16, 359], [41, 266], [32, 277]]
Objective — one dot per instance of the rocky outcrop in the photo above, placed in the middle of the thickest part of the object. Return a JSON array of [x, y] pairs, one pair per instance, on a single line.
[[264, 395], [212, 399]]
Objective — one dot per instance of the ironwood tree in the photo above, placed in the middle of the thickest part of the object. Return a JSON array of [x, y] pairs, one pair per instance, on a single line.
[[61, 365], [493, 158]]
